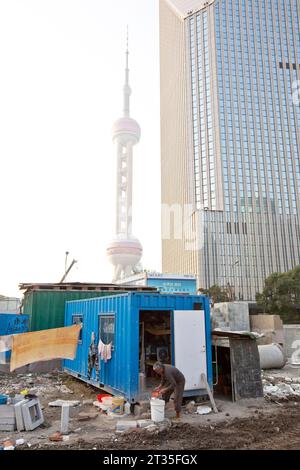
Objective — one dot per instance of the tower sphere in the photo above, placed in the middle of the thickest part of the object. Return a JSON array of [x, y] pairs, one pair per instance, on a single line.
[[126, 129], [124, 252]]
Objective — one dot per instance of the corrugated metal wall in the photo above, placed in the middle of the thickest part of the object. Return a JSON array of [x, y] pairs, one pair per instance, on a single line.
[[121, 373], [46, 309], [13, 324]]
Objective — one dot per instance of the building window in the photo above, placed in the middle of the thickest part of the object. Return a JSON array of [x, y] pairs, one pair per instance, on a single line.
[[78, 320], [107, 329]]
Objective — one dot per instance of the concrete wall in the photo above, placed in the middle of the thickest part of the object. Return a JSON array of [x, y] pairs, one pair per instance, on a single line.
[[269, 325], [292, 343], [10, 305], [233, 316]]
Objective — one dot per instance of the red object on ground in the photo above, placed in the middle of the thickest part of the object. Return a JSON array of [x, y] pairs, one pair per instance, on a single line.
[[57, 437], [102, 396]]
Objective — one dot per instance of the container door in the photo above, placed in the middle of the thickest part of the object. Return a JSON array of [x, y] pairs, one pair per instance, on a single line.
[[190, 346]]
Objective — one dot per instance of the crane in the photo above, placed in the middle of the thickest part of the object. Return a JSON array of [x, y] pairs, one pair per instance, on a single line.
[[67, 270]]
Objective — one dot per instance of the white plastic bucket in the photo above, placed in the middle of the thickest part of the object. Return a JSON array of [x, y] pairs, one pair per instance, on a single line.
[[157, 410]]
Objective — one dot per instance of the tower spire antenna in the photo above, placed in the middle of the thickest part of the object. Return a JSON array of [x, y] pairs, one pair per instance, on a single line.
[[125, 251], [127, 89]]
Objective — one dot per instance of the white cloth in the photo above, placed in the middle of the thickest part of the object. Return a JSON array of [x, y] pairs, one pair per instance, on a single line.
[[104, 351]]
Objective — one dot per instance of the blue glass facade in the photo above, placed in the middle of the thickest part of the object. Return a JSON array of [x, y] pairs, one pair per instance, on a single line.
[[262, 121], [245, 60]]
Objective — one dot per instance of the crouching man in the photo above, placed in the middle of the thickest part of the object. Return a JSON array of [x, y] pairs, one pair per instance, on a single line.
[[172, 381]]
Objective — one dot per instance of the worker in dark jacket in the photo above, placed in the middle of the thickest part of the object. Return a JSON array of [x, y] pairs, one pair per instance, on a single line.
[[172, 380]]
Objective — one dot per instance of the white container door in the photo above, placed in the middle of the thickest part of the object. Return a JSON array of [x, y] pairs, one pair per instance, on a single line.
[[190, 346]]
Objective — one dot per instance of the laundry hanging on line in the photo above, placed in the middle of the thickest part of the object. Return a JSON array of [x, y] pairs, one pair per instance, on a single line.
[[104, 351]]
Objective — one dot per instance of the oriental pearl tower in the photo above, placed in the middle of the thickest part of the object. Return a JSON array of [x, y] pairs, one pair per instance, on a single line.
[[125, 251]]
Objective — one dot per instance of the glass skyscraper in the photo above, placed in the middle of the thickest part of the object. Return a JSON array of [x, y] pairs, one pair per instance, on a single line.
[[230, 126]]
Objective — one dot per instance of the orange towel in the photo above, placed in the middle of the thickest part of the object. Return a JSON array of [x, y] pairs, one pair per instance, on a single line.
[[59, 343]]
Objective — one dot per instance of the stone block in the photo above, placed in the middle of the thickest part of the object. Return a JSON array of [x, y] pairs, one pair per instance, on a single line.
[[65, 415], [141, 408], [7, 418], [270, 326], [7, 411], [32, 414], [265, 322], [144, 423], [123, 426], [7, 427], [19, 415], [11, 420]]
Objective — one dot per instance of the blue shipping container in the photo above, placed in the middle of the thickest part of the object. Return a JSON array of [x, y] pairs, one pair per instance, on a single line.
[[181, 322], [11, 324]]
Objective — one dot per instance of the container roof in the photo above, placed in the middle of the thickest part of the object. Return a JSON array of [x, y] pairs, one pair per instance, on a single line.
[[184, 8], [78, 286]]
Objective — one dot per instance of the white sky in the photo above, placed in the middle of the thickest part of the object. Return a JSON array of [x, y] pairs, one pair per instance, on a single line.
[[61, 80]]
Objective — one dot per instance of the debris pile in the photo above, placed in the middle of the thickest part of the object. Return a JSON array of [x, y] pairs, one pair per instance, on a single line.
[[279, 387], [11, 444], [193, 408], [33, 384], [143, 425]]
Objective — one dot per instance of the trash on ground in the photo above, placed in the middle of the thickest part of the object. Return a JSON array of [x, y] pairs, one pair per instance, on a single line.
[[203, 410], [64, 389], [87, 416], [57, 437]]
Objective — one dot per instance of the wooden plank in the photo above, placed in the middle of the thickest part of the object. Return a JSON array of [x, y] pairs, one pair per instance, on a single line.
[[211, 398]]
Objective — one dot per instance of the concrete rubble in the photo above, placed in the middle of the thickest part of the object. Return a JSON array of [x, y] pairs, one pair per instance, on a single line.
[[143, 425], [37, 385], [280, 387]]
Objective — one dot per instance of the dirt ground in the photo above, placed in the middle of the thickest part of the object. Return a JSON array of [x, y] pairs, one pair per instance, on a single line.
[[250, 424]]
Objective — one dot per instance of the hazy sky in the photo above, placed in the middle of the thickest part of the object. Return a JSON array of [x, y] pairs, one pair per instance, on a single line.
[[62, 73]]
